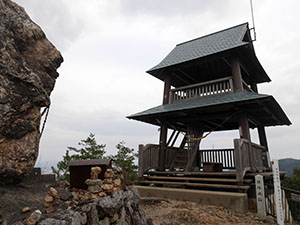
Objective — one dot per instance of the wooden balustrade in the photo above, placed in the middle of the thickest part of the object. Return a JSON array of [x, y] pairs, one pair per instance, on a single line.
[[214, 87], [246, 156], [249, 157], [224, 156], [148, 158], [261, 159]]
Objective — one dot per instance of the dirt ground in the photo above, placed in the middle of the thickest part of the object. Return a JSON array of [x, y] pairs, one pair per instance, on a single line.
[[168, 212], [158, 211]]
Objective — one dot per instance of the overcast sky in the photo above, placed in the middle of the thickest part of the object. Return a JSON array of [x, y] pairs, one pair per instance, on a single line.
[[108, 45]]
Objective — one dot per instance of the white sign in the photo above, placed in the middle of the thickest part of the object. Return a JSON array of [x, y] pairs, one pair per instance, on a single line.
[[277, 193], [260, 196]]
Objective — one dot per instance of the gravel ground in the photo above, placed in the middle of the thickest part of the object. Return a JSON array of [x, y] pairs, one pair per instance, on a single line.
[[168, 212]]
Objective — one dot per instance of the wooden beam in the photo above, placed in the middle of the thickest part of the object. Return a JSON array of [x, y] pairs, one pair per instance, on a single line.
[[236, 75], [180, 78], [171, 137], [175, 139], [188, 76]]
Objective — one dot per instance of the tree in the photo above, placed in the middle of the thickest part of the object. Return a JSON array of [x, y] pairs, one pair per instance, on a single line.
[[293, 182], [125, 158], [89, 149]]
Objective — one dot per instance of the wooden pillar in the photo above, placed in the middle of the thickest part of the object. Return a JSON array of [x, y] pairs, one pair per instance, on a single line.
[[262, 137], [193, 145], [244, 127], [254, 87], [167, 88], [141, 161], [245, 134], [163, 128], [236, 75], [261, 129]]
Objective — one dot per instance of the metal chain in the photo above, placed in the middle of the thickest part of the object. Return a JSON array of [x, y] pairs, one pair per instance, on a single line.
[[46, 110]]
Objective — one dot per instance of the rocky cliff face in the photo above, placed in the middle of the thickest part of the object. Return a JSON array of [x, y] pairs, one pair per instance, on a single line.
[[28, 64]]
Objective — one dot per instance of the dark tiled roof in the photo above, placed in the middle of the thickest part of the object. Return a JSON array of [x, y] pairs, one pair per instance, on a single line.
[[200, 103], [204, 46], [264, 108]]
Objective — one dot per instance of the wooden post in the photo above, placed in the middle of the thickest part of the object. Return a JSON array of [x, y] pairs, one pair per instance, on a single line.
[[141, 161], [262, 137], [167, 88], [236, 75], [244, 127], [193, 145], [261, 129], [163, 128], [238, 161], [254, 87], [245, 134]]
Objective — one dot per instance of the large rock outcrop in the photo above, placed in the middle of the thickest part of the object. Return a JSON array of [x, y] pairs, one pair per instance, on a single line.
[[28, 64]]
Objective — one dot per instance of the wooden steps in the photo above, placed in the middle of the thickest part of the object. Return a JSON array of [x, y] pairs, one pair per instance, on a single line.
[[180, 160], [214, 181], [225, 173], [203, 185], [199, 179]]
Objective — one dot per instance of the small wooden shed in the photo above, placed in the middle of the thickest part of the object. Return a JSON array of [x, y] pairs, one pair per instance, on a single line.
[[80, 170]]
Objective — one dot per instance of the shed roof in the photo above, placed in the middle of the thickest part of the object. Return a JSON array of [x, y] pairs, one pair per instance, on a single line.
[[90, 162], [204, 46]]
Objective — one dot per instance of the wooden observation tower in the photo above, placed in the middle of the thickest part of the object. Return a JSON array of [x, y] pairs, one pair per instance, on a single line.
[[210, 85]]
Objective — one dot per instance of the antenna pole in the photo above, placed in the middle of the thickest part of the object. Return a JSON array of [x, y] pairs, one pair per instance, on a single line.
[[252, 14]]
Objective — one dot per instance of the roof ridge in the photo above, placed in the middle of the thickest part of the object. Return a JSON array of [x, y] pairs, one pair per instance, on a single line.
[[246, 23]]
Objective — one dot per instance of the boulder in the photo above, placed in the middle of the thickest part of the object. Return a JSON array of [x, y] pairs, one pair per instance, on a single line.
[[28, 70]]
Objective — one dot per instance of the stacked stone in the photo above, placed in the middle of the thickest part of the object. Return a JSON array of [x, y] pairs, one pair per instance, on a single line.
[[51, 200], [34, 218], [112, 181], [94, 184]]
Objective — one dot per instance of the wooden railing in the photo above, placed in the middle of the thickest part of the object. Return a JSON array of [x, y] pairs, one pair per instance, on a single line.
[[249, 157], [243, 158], [261, 159], [148, 158], [214, 87], [149, 155], [224, 156]]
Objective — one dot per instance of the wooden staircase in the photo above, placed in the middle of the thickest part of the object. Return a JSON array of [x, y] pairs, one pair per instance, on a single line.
[[180, 160], [216, 181]]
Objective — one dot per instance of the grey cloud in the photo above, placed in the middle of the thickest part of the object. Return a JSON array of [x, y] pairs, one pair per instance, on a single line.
[[169, 8], [60, 24]]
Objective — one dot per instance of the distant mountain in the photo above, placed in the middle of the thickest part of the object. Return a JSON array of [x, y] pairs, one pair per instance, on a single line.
[[46, 165], [289, 165]]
